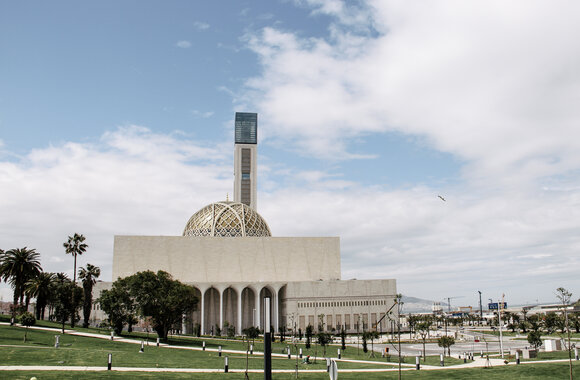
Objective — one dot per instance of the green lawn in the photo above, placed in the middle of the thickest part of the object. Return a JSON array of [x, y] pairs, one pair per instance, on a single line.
[[82, 351], [527, 372], [75, 350]]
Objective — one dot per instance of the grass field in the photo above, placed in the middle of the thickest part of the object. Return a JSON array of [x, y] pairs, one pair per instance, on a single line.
[[527, 372], [82, 351]]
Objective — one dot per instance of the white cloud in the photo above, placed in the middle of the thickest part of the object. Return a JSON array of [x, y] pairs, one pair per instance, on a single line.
[[204, 115], [201, 25], [132, 181], [495, 84], [183, 44]]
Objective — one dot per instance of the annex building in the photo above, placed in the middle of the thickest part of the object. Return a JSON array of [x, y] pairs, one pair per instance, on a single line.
[[228, 254]]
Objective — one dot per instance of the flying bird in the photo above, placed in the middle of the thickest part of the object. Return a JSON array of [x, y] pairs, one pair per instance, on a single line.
[[443, 199]]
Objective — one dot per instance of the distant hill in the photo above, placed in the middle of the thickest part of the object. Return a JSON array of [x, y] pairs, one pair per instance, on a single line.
[[418, 305]]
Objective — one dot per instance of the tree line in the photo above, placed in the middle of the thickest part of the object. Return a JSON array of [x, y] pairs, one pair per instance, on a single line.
[[21, 268]]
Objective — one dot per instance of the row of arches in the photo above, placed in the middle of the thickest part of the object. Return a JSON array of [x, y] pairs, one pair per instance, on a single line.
[[241, 306]]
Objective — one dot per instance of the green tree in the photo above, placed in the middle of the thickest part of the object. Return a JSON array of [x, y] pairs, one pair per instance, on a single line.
[[39, 288], [309, 330], [324, 339], [27, 320], [412, 320], [88, 276], [17, 267], [372, 335], [535, 339], [118, 304], [251, 332], [423, 329], [163, 299], [551, 322], [364, 341], [342, 339], [446, 342], [575, 321], [534, 321], [75, 246], [564, 296], [67, 298]]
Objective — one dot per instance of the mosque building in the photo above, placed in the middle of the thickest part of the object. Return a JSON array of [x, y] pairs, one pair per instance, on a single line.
[[228, 254]]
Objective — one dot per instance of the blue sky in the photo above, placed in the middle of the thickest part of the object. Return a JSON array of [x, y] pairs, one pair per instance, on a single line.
[[117, 118]]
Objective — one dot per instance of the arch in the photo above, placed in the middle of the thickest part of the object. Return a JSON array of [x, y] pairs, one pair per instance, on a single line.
[[211, 310], [283, 318], [248, 308], [230, 310], [194, 318], [267, 292]]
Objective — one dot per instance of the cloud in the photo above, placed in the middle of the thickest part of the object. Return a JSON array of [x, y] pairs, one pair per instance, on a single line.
[[494, 84], [201, 25], [183, 44], [135, 181], [204, 115], [131, 181]]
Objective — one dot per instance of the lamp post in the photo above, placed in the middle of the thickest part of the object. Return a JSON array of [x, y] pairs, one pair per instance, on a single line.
[[267, 341]]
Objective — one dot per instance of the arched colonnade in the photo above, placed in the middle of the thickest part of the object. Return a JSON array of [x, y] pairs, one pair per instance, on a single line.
[[238, 304]]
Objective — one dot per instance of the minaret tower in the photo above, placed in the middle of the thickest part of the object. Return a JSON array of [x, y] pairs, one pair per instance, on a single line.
[[245, 159]]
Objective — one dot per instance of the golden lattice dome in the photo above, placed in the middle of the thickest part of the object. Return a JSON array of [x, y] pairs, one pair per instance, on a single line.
[[226, 219]]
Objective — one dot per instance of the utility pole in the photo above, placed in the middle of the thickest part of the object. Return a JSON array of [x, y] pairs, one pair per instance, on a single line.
[[500, 325], [480, 309]]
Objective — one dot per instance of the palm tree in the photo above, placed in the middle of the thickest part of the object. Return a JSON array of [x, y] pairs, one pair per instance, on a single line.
[[75, 247], [39, 287], [18, 266], [89, 277]]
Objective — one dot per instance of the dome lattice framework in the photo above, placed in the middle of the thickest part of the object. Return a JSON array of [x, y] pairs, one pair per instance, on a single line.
[[226, 219]]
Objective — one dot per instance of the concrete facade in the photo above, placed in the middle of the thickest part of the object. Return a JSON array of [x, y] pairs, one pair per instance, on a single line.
[[225, 260]]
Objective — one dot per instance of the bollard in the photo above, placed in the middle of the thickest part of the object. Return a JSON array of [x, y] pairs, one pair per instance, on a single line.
[[142, 347], [112, 334], [464, 357], [327, 365], [288, 349], [482, 353], [301, 353], [441, 360], [157, 342], [417, 363], [226, 365], [220, 351], [517, 357], [57, 341], [251, 349], [339, 353], [110, 363], [203, 345], [576, 353]]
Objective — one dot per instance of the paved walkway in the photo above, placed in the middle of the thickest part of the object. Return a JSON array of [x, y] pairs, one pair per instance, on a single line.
[[389, 366]]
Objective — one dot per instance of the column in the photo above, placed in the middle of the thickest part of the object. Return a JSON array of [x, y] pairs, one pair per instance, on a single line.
[[275, 310], [221, 309], [257, 303], [202, 312], [239, 326]]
